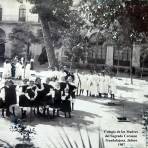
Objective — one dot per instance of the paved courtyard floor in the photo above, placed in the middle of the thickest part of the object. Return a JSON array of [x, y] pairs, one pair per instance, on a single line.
[[92, 115]]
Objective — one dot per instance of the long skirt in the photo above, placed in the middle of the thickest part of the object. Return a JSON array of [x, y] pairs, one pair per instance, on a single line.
[[48, 100], [57, 103], [24, 101], [66, 106], [2, 103]]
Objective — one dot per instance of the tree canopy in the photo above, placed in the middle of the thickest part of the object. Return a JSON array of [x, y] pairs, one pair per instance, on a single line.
[[22, 37]]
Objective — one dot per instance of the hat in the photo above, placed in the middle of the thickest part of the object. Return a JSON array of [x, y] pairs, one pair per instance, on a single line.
[[25, 80], [10, 81], [37, 78]]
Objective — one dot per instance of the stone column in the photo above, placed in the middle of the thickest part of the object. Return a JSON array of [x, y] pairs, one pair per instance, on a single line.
[[109, 55], [136, 55]]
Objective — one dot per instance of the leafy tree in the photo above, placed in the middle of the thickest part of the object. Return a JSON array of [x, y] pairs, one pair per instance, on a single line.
[[116, 19], [144, 55], [51, 12], [22, 37]]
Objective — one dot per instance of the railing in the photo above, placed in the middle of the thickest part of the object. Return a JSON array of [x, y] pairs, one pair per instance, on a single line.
[[15, 18]]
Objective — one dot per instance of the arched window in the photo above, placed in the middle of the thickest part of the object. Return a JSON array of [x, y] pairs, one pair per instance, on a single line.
[[22, 13], [0, 13]]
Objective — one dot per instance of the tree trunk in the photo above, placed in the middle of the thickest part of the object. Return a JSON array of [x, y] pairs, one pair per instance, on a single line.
[[48, 42], [118, 63], [28, 52], [131, 72], [71, 64], [142, 68]]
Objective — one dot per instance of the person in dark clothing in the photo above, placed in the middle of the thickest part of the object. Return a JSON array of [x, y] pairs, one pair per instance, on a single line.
[[47, 99], [2, 106], [63, 84], [47, 89], [26, 99], [43, 57], [67, 73], [10, 96], [13, 69], [24, 86], [32, 64], [40, 94], [72, 90], [66, 104], [2, 99], [40, 89], [57, 98]]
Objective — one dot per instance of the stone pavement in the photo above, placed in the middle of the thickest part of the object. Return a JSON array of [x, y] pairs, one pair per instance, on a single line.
[[93, 114]]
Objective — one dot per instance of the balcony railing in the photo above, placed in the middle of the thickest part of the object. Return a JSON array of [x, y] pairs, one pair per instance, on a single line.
[[15, 18]]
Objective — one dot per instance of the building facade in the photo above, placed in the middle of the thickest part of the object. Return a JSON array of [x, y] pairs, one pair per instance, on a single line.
[[13, 13]]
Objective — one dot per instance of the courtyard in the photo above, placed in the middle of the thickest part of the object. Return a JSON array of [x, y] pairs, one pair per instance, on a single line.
[[92, 117]]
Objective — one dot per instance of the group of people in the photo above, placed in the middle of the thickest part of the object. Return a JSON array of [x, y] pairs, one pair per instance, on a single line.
[[57, 91], [17, 68], [91, 84], [97, 85]]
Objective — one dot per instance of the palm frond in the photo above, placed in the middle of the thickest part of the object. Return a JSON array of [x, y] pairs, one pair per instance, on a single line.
[[5, 143], [101, 141], [69, 142], [63, 141], [68, 139], [76, 145], [89, 141], [83, 144], [54, 145]]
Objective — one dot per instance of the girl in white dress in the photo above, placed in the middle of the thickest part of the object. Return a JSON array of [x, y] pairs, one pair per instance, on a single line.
[[113, 89], [27, 73], [77, 82], [19, 70], [7, 70], [83, 82]]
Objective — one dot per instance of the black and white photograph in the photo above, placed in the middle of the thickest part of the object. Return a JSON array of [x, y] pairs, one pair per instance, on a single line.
[[73, 73]]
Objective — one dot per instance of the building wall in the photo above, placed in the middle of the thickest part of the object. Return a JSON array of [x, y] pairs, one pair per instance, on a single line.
[[10, 19], [10, 11], [7, 28]]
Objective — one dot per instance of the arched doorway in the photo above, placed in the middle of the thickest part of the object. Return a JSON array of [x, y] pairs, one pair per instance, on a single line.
[[2, 44]]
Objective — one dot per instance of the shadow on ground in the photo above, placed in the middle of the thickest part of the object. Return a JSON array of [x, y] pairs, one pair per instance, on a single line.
[[79, 118], [131, 109], [127, 89]]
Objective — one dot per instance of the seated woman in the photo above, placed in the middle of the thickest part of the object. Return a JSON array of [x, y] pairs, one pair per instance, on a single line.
[[40, 94], [47, 91], [26, 99], [24, 86], [66, 103], [63, 84], [47, 100]]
